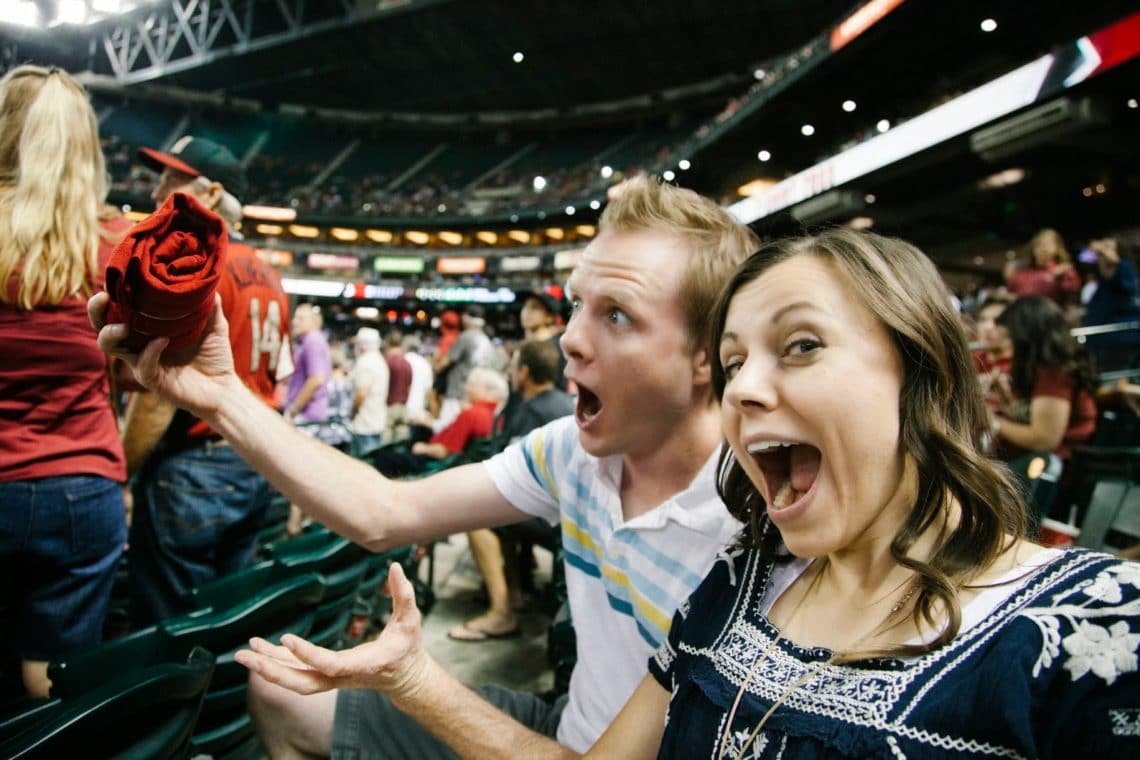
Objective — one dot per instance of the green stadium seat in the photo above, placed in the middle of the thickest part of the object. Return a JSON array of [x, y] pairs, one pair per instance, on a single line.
[[140, 709]]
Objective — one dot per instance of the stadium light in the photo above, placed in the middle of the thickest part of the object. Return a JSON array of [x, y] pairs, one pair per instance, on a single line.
[[36, 15], [24, 13]]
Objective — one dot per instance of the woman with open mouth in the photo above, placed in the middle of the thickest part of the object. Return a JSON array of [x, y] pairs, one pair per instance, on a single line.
[[884, 599]]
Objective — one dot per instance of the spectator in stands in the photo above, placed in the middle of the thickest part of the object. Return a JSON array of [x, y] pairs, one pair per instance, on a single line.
[[449, 330], [533, 370], [198, 505], [1049, 271], [1114, 301], [62, 518], [422, 377], [630, 477], [541, 317], [471, 349], [484, 393], [370, 382], [995, 350], [399, 385], [1048, 405], [306, 400], [342, 397]]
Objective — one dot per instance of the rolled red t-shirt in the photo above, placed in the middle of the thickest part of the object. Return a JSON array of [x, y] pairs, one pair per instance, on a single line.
[[163, 275]]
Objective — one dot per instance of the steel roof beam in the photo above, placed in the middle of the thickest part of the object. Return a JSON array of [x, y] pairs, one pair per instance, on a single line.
[[185, 34]]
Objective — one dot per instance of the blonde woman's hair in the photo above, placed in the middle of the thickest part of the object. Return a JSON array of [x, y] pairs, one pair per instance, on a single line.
[[52, 184], [716, 241]]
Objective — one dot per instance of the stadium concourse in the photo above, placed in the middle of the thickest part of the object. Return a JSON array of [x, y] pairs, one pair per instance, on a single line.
[[414, 182]]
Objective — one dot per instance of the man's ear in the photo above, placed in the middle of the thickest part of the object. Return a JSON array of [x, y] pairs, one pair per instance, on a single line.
[[702, 367], [214, 195]]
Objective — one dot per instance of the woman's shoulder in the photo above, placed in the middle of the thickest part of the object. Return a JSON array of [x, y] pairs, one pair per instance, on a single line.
[[1085, 607]]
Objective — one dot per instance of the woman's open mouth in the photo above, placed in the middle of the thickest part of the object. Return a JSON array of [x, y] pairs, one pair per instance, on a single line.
[[789, 470]]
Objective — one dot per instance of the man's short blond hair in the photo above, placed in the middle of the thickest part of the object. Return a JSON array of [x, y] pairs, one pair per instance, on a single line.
[[717, 242]]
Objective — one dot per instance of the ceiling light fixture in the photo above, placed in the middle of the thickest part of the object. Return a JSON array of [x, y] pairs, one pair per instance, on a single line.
[[518, 57], [684, 164], [668, 175], [764, 155], [988, 25], [807, 130], [883, 125], [849, 106]]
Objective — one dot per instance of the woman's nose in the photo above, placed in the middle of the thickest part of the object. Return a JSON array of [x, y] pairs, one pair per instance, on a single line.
[[752, 387]]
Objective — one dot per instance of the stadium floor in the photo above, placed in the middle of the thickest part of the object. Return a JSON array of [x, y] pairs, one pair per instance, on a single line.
[[517, 663]]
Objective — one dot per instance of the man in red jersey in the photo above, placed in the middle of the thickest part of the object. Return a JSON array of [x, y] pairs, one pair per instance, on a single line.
[[198, 505]]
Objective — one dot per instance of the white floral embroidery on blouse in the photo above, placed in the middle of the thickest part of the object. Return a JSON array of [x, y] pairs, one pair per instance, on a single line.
[[1106, 652]]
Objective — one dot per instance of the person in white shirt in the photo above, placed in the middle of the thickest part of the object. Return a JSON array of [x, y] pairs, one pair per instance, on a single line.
[[630, 478], [370, 391]]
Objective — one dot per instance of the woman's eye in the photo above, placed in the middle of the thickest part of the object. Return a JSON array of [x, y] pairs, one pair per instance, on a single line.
[[803, 346], [575, 304], [731, 367]]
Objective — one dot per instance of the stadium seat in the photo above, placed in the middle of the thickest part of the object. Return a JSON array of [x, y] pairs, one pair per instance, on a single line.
[[138, 709], [267, 600], [1112, 521]]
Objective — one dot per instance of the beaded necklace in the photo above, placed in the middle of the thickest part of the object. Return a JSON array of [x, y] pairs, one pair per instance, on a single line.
[[895, 609]]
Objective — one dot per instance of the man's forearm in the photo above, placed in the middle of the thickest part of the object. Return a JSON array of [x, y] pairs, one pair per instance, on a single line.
[[147, 418], [469, 724], [364, 507]]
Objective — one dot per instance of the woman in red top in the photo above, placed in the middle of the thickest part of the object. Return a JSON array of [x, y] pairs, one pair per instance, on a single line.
[[1048, 273], [62, 519], [1049, 404]]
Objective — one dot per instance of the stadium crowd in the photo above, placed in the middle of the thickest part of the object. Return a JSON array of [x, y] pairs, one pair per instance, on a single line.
[[744, 547]]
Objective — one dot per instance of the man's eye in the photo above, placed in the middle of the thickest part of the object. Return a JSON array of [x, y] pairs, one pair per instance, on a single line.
[[619, 317]]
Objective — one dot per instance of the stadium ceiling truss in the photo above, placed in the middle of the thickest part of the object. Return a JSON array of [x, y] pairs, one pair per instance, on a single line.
[[183, 34]]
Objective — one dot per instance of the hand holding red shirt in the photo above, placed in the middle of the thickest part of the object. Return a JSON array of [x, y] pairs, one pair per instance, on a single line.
[[163, 275]]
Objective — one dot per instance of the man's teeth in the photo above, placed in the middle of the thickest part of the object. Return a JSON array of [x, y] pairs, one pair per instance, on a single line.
[[762, 446]]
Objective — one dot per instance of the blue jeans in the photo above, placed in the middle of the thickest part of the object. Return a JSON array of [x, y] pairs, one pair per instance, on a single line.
[[197, 515], [364, 442], [60, 542]]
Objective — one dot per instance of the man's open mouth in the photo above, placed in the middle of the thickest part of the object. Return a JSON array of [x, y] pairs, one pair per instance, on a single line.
[[588, 405]]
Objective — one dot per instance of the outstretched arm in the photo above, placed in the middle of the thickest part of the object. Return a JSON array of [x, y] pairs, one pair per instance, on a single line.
[[397, 664], [347, 495]]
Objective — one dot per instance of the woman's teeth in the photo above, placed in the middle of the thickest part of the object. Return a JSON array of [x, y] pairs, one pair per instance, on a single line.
[[786, 496]]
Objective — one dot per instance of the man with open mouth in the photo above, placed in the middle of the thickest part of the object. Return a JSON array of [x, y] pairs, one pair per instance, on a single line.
[[629, 477]]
